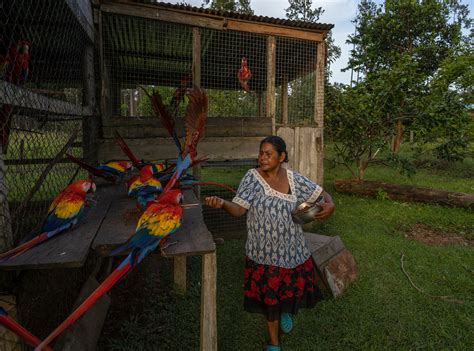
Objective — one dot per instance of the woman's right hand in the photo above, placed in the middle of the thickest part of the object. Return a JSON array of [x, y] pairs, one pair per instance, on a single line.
[[214, 201]]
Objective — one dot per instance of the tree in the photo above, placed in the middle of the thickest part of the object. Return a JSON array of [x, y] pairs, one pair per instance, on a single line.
[[240, 6], [301, 10], [413, 37]]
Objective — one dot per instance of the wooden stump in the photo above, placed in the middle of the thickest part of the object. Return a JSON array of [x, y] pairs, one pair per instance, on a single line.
[[335, 264]]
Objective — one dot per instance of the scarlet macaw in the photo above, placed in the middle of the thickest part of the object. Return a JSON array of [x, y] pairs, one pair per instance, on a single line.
[[159, 220], [144, 186], [244, 74], [16, 71], [19, 330], [63, 213], [111, 171], [157, 167]]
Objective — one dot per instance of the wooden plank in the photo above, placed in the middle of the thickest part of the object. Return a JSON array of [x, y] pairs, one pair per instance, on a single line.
[[271, 65], [208, 339], [85, 332], [68, 249], [17, 96], [192, 238], [323, 248], [273, 30], [157, 13], [162, 148], [179, 274]]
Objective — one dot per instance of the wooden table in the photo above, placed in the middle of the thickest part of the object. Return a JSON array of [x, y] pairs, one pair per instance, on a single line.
[[192, 238], [109, 223]]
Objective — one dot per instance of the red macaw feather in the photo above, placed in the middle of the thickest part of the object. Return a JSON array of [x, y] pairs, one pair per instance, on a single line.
[[165, 117], [92, 169], [106, 285], [195, 120], [16, 251], [244, 74], [19, 330], [158, 221], [126, 149], [178, 95]]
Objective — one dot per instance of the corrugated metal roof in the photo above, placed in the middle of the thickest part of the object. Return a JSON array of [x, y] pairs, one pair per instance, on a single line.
[[234, 15]]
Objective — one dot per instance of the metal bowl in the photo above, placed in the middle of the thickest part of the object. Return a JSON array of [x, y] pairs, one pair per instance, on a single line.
[[305, 211]]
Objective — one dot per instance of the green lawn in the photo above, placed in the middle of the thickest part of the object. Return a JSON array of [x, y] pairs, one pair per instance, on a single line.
[[380, 311]]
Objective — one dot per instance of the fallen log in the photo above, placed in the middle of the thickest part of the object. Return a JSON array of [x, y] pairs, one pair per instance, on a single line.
[[404, 192]]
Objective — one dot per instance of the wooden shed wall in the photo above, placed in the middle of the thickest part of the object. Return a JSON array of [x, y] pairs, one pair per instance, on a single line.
[[224, 138]]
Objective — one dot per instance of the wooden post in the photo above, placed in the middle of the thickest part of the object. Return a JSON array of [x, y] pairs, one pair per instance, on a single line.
[[271, 61], [197, 82], [6, 234], [90, 124], [284, 100], [208, 303], [179, 274], [319, 108], [104, 78]]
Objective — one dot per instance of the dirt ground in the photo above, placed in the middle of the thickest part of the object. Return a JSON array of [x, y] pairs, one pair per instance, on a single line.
[[432, 236]]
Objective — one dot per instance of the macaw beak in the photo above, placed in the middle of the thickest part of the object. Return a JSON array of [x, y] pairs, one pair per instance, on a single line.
[[93, 188]]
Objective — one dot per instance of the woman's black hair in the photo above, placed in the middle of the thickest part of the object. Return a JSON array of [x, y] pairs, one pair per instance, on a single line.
[[278, 143]]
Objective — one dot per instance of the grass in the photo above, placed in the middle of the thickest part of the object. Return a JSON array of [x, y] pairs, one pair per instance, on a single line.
[[380, 311]]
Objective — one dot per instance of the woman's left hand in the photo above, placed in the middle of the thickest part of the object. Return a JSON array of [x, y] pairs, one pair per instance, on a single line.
[[327, 208]]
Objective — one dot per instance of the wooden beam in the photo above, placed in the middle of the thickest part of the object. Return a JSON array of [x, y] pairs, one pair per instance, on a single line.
[[209, 21], [90, 126], [157, 13], [271, 64], [319, 85], [208, 303], [12, 94], [319, 109], [284, 100], [268, 29], [196, 57]]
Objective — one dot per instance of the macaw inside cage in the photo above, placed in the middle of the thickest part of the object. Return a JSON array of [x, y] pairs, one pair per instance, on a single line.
[[42, 110]]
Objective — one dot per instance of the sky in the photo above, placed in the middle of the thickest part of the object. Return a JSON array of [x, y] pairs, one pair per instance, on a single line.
[[337, 12]]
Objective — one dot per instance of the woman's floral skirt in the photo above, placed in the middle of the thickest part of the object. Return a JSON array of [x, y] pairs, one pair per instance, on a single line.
[[272, 290]]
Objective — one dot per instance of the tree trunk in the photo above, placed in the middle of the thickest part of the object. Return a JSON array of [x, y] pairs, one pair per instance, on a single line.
[[397, 141], [405, 193]]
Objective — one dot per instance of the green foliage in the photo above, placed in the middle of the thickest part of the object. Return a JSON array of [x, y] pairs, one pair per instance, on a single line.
[[417, 76], [240, 6]]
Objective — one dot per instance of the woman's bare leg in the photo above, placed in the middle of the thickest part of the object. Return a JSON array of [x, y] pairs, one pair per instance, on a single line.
[[273, 331]]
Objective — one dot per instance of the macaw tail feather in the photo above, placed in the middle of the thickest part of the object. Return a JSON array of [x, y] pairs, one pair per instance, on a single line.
[[19, 330], [16, 251], [181, 166], [92, 170], [106, 285], [24, 247], [216, 184], [126, 149]]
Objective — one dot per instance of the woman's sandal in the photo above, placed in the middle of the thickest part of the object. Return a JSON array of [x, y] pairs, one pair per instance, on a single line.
[[286, 323], [273, 348]]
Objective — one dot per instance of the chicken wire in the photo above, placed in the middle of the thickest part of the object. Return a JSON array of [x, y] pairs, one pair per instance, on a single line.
[[42, 46], [230, 173]]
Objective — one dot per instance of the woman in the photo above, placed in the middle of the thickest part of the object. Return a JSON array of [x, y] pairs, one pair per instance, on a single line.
[[279, 273]]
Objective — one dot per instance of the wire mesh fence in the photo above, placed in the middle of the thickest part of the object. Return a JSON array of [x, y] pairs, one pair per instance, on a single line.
[[42, 45], [230, 173]]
